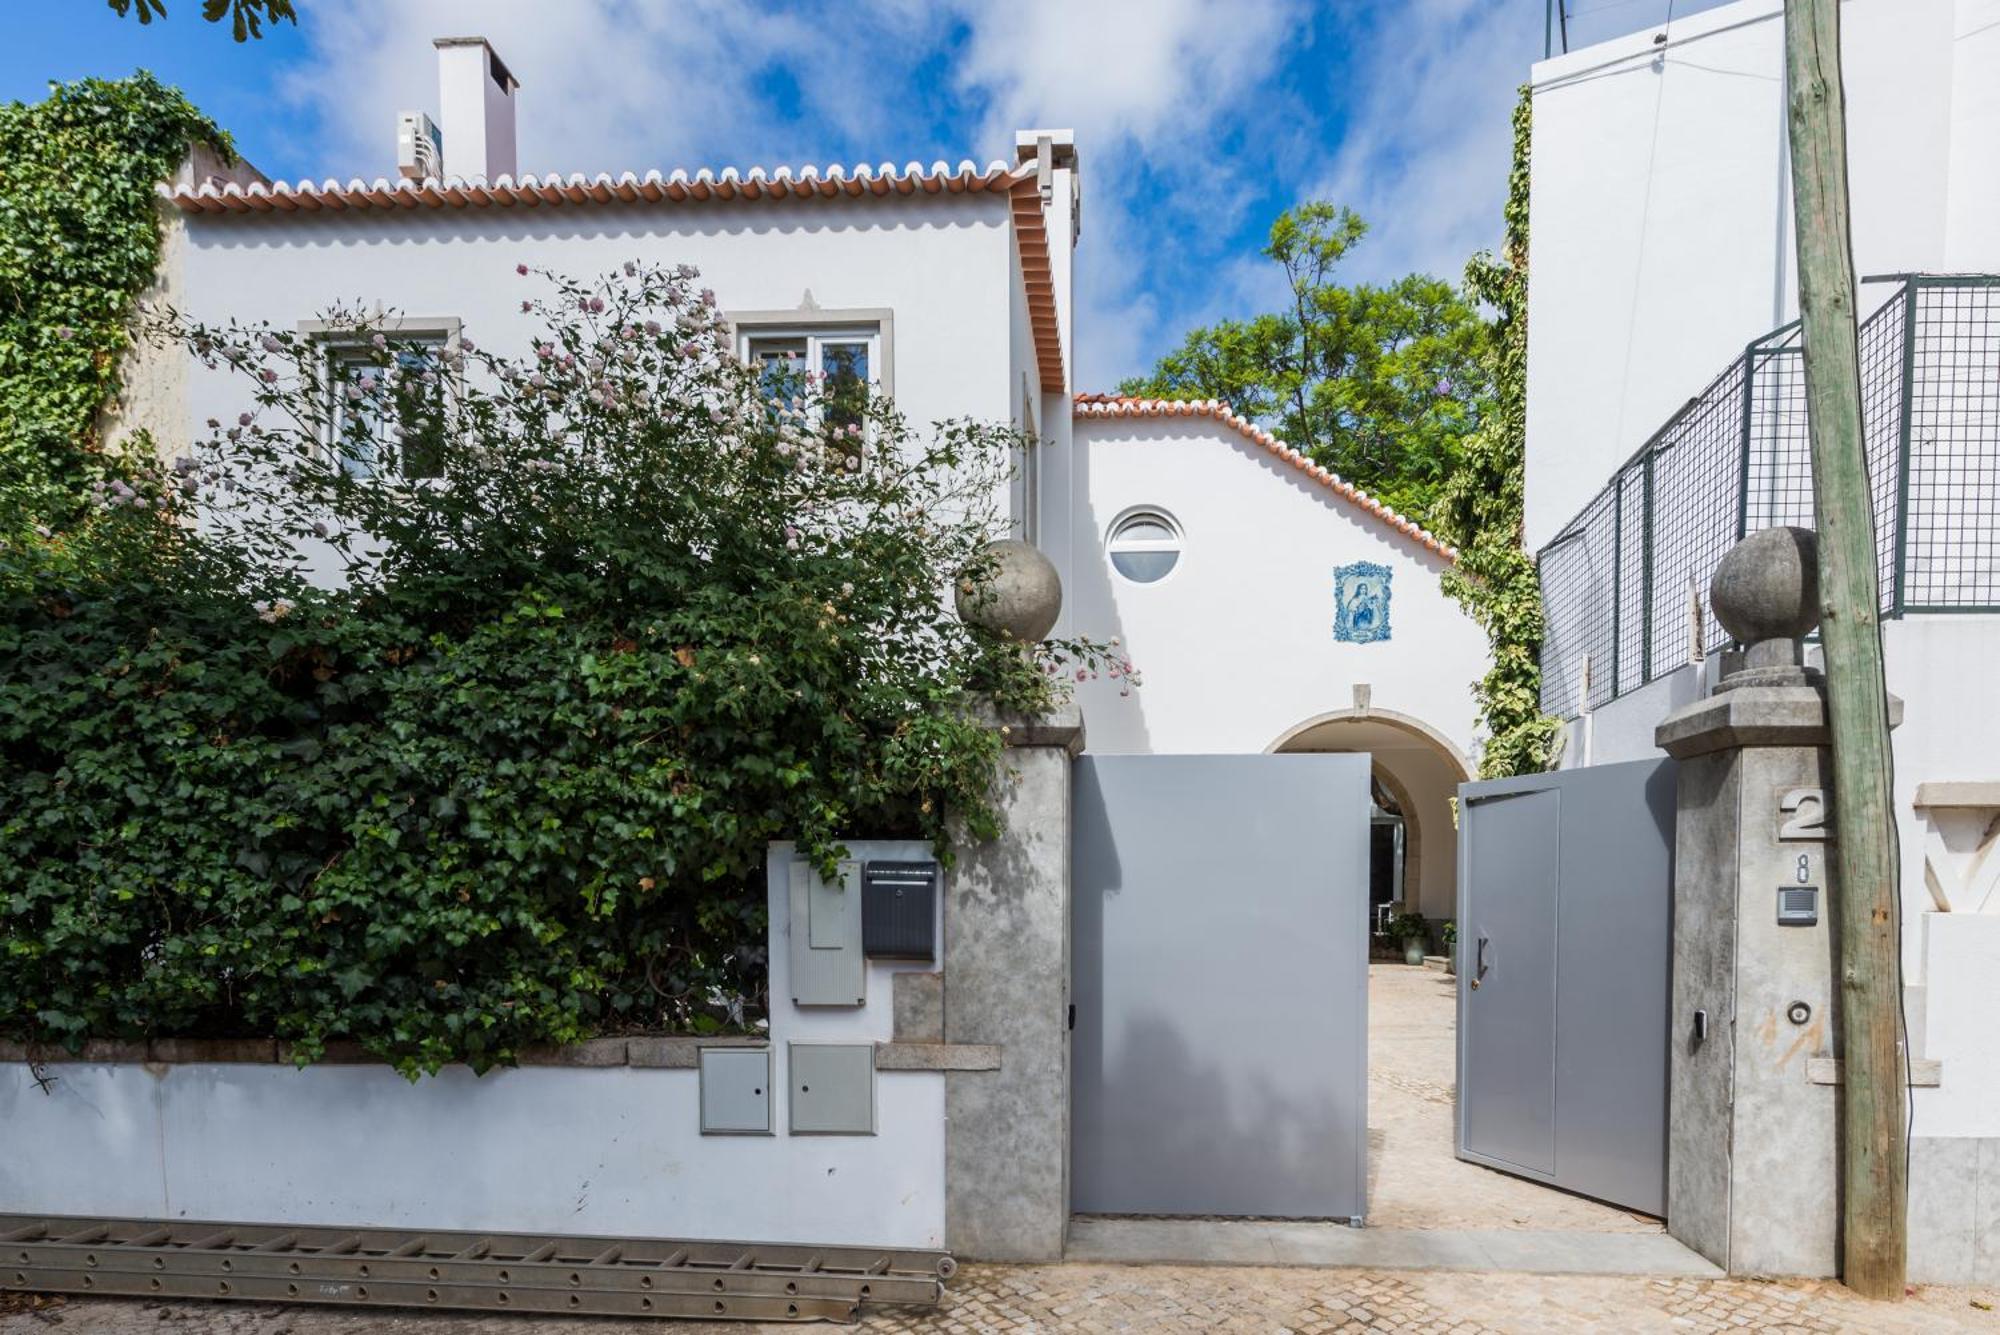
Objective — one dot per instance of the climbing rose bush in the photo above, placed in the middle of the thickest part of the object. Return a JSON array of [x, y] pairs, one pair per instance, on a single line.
[[445, 701]]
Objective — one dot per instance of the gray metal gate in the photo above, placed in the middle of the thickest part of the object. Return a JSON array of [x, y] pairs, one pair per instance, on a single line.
[[1565, 941], [1220, 976]]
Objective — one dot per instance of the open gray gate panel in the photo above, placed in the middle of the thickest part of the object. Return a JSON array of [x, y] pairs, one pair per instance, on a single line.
[[1219, 1061], [1565, 940]]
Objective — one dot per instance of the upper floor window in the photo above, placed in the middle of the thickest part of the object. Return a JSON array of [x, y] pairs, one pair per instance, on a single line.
[[842, 361], [1144, 546], [385, 402]]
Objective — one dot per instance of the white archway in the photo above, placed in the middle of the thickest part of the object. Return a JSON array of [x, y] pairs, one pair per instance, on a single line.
[[1421, 768]]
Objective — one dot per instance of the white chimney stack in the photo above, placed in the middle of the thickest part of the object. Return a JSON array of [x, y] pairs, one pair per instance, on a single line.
[[476, 101]]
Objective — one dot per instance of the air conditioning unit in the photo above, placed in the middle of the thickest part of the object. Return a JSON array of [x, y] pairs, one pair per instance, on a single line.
[[419, 146]]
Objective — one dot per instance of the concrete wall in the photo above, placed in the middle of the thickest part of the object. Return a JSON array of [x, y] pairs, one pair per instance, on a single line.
[[562, 1149], [1752, 1164], [1236, 645], [1662, 243], [1661, 229], [1972, 191], [550, 1148]]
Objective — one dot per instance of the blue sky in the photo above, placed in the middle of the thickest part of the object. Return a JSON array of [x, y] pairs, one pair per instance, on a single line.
[[1197, 120]]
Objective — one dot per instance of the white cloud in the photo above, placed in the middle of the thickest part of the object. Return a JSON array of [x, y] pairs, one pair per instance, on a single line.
[[1150, 74], [606, 85], [1425, 154], [1143, 83]]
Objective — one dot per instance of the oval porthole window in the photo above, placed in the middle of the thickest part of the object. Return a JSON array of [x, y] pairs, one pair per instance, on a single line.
[[1144, 546]]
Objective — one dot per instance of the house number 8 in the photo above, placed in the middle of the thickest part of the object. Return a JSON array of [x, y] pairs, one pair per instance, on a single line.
[[1805, 870]]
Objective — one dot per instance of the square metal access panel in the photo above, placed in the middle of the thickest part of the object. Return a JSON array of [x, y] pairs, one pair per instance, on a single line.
[[827, 965], [736, 1092], [832, 1089]]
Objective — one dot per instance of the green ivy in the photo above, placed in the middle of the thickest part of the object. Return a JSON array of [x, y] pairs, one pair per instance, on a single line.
[[1496, 579], [79, 240]]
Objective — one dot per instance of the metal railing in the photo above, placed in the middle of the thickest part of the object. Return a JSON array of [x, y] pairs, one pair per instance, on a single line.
[[1625, 584]]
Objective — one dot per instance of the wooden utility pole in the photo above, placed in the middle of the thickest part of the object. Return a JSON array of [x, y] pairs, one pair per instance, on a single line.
[[1874, 1177]]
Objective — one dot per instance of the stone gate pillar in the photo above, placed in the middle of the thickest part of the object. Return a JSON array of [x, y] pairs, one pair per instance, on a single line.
[[1006, 984], [1753, 1117]]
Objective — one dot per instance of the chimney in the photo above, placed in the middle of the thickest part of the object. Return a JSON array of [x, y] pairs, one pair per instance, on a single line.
[[476, 102]]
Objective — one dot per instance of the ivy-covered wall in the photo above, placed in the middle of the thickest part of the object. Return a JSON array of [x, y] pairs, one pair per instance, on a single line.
[[79, 240], [1496, 578]]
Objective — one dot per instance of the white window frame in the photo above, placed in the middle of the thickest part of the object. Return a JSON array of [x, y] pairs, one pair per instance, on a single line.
[[877, 324], [1028, 471], [338, 342], [816, 328], [1177, 544]]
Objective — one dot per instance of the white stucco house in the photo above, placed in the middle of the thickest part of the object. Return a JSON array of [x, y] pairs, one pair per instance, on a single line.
[[1666, 418], [1269, 604]]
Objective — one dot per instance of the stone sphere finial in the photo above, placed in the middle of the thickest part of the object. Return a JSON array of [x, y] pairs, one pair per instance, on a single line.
[[1767, 587], [1766, 594], [1013, 590]]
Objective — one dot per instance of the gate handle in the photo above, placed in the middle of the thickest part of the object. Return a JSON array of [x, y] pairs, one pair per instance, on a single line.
[[1480, 966]]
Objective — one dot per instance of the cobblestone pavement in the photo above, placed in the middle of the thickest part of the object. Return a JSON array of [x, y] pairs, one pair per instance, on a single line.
[[1413, 1179], [1168, 1298]]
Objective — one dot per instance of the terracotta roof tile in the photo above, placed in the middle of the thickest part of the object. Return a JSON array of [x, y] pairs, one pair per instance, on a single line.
[[1118, 405], [531, 191]]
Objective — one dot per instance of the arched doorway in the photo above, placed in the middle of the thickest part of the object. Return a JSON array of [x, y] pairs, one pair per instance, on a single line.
[[1414, 840]]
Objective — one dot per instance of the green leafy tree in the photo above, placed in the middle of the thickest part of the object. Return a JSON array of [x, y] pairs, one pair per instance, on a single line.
[[246, 17], [1381, 384], [1481, 508], [445, 701]]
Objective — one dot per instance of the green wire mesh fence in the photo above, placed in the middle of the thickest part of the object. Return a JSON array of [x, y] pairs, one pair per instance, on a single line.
[[1624, 585]]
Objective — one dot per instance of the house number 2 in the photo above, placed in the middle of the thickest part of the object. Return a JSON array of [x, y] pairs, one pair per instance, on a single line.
[[1804, 812]]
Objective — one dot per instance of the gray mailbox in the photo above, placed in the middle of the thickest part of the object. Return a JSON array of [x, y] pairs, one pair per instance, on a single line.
[[899, 910]]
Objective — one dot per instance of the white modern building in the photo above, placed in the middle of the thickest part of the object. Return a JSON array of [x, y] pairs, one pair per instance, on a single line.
[[1666, 418], [1269, 604]]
